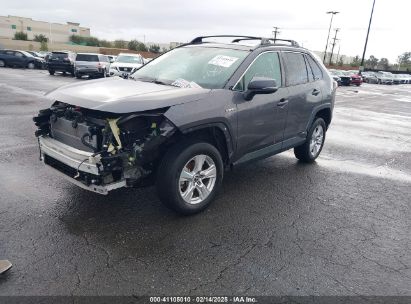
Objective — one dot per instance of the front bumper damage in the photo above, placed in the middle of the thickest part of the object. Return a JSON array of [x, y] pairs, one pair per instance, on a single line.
[[70, 162], [100, 151]]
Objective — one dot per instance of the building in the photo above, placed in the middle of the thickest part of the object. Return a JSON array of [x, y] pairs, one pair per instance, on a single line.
[[55, 32]]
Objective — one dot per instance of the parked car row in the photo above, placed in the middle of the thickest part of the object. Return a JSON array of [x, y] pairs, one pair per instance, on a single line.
[[386, 78], [76, 64], [346, 78], [21, 59], [352, 77]]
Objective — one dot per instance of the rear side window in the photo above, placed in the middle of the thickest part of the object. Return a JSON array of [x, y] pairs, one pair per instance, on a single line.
[[314, 69], [266, 65], [87, 57], [58, 55], [295, 68]]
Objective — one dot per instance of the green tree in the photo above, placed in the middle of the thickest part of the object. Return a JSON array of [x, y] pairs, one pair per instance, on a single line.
[[371, 62], [164, 49], [404, 60], [136, 45], [120, 44], [40, 38], [20, 36], [341, 61], [356, 61], [105, 43], [43, 46], [90, 41], [154, 48], [384, 64]]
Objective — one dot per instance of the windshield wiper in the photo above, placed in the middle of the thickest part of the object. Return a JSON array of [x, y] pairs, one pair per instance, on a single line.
[[153, 80]]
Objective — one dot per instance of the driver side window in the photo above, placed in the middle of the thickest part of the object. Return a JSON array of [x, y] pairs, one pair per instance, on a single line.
[[266, 65]]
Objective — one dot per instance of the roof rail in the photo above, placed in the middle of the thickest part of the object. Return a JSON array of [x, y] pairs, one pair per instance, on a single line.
[[200, 38], [292, 42], [238, 38]]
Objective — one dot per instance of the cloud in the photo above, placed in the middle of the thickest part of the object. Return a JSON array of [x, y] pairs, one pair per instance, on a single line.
[[165, 21]]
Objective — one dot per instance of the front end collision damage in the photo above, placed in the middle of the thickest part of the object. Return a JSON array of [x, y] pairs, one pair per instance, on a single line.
[[102, 151]]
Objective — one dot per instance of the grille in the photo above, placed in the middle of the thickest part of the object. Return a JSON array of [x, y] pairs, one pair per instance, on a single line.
[[62, 167], [125, 69], [84, 177]]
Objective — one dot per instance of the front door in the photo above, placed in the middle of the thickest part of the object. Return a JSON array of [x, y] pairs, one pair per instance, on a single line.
[[261, 121]]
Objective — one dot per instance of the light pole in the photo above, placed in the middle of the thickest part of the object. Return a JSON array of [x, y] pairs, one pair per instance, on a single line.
[[329, 30], [366, 39]]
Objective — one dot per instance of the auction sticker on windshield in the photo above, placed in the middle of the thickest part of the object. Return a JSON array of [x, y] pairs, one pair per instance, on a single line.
[[224, 61]]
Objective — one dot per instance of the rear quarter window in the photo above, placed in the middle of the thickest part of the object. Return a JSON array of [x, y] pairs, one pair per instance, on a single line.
[[314, 69], [296, 70]]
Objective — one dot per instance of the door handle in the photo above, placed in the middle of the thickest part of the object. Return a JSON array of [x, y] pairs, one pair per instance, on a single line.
[[315, 92], [282, 102]]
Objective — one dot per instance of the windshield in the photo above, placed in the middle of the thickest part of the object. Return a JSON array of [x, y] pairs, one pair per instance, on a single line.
[[193, 66], [129, 59]]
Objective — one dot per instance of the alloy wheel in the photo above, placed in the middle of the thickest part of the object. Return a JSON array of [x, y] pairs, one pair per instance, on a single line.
[[197, 179], [316, 141]]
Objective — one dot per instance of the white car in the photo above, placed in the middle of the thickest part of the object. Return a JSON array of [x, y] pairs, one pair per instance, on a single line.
[[126, 64]]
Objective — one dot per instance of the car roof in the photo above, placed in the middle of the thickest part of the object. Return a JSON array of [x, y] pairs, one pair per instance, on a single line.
[[89, 54], [244, 47]]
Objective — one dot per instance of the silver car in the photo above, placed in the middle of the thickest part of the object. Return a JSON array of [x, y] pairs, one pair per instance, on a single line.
[[385, 77], [92, 65], [126, 64]]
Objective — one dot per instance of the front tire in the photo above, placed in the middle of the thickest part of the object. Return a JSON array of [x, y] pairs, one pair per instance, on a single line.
[[314, 143], [189, 176], [31, 65], [51, 72]]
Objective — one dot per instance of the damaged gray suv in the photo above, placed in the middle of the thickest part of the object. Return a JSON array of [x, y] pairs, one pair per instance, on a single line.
[[183, 118]]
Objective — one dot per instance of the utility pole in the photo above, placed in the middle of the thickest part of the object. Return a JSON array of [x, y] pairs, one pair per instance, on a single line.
[[329, 30], [338, 54], [333, 44], [366, 39], [275, 32]]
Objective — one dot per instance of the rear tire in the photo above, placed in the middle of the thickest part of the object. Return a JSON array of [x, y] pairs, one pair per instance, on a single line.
[[311, 148], [189, 176], [2, 64], [51, 72]]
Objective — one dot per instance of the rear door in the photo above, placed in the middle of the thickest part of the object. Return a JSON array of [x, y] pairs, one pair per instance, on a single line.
[[304, 95]]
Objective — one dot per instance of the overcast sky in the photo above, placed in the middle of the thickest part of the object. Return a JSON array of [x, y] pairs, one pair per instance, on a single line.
[[302, 20]]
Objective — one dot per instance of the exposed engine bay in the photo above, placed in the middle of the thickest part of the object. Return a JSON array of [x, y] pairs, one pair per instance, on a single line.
[[98, 148]]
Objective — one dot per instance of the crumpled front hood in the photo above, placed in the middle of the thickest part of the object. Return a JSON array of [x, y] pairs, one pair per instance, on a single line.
[[118, 95]]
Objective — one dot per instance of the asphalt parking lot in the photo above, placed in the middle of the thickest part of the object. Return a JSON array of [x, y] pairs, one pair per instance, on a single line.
[[341, 226]]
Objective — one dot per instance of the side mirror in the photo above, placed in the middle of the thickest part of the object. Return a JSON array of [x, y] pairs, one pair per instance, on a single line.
[[260, 85]]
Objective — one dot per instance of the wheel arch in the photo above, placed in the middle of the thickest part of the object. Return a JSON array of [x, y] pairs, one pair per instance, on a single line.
[[324, 111], [216, 133]]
